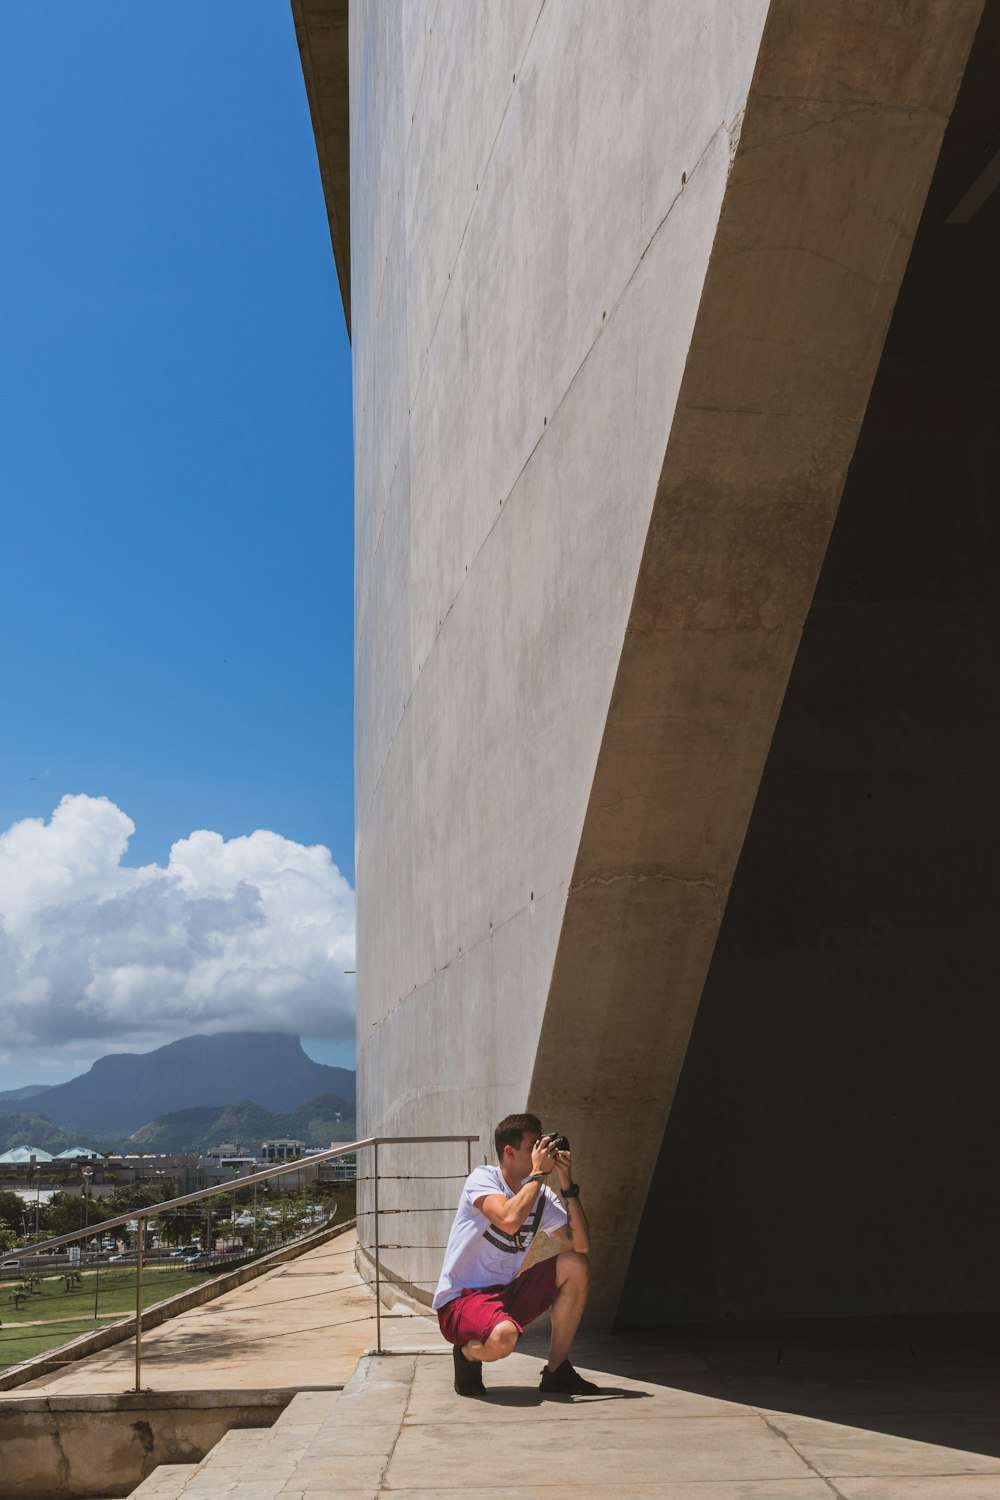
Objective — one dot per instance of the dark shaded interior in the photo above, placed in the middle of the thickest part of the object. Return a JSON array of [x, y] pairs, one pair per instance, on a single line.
[[835, 1141]]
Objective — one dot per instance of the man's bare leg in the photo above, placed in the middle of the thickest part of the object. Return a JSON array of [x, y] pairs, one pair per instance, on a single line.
[[501, 1342], [573, 1280]]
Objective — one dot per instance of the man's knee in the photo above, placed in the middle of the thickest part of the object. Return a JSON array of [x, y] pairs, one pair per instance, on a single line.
[[573, 1267], [502, 1341]]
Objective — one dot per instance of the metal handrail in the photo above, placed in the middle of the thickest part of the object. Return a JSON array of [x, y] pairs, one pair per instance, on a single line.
[[156, 1210]]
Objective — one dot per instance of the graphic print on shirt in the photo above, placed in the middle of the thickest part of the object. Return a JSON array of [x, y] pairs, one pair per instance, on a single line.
[[520, 1240]]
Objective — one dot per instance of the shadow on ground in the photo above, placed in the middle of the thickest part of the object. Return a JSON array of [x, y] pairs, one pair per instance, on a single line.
[[923, 1380]]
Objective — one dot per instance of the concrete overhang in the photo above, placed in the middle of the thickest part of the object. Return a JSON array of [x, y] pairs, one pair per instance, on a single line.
[[321, 32]]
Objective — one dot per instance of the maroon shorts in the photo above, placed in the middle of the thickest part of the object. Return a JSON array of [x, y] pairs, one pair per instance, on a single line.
[[474, 1314]]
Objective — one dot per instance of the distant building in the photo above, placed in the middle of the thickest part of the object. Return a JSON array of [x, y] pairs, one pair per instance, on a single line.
[[118, 1170], [282, 1148], [25, 1156]]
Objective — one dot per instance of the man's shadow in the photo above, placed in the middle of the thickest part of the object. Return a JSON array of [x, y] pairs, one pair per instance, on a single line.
[[518, 1395]]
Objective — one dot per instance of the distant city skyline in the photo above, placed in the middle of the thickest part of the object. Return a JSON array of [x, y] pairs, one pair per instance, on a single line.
[[177, 603]]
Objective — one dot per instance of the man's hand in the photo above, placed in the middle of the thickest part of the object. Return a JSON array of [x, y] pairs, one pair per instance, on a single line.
[[575, 1232], [564, 1168], [543, 1158]]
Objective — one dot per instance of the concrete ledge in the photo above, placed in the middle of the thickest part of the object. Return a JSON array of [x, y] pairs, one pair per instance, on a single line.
[[53, 1449], [53, 1360]]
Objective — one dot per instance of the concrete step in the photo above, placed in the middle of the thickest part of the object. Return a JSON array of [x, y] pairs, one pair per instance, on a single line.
[[216, 1471], [261, 1455], [350, 1451], [165, 1483], [309, 1409], [324, 1444]]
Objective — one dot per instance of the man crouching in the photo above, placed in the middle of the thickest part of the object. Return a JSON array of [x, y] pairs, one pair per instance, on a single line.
[[483, 1304]]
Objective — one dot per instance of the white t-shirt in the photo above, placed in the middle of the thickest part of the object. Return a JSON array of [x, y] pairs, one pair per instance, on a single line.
[[479, 1254]]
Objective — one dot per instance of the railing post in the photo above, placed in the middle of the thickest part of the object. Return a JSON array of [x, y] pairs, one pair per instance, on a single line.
[[378, 1273], [468, 1158], [140, 1249]]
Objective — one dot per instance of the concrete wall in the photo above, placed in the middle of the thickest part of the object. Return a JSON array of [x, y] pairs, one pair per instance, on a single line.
[[621, 272], [84, 1447], [535, 192], [833, 1143]]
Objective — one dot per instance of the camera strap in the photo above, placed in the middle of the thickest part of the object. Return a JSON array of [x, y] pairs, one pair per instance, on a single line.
[[514, 1244]]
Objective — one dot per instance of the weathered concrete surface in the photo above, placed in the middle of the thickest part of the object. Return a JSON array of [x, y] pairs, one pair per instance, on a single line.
[[535, 192], [55, 1448], [798, 1413], [836, 1119], [619, 290], [842, 130]]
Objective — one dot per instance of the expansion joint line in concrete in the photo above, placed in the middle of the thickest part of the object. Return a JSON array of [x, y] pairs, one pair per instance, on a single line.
[[399, 1426], [605, 324], [484, 937], [518, 69], [411, 396], [365, 381], [784, 1438]]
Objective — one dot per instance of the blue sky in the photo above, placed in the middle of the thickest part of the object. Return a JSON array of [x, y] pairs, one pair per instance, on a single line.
[[176, 611]]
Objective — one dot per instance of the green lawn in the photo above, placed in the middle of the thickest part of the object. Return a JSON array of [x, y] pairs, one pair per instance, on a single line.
[[17, 1344], [115, 1291]]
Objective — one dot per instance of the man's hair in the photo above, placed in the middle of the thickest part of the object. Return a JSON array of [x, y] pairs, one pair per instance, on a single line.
[[512, 1128]]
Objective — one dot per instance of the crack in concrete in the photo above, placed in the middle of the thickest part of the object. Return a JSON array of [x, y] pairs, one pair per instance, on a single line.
[[719, 892], [62, 1457], [783, 1437], [402, 1421], [854, 106], [830, 260]]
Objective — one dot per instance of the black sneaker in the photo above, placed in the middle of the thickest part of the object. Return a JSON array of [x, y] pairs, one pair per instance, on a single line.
[[468, 1375], [566, 1382]]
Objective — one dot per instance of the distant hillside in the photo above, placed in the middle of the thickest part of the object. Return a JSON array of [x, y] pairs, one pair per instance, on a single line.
[[318, 1122], [32, 1130], [124, 1091], [13, 1097]]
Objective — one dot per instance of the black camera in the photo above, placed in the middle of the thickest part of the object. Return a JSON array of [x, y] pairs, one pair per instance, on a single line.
[[556, 1141]]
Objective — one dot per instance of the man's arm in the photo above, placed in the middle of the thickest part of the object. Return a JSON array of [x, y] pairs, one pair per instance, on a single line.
[[508, 1214], [575, 1233]]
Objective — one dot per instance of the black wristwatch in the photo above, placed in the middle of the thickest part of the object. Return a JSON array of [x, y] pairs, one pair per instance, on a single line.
[[573, 1191]]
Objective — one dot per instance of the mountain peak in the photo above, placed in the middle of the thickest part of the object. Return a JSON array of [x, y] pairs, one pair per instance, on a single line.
[[124, 1090]]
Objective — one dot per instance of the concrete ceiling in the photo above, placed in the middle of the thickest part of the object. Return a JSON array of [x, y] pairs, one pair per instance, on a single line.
[[321, 32]]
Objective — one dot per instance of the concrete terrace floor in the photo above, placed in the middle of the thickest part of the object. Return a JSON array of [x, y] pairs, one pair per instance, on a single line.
[[305, 1323], [792, 1412], [859, 1411]]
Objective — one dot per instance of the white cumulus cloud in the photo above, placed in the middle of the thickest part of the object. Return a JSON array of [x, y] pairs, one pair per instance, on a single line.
[[250, 933]]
